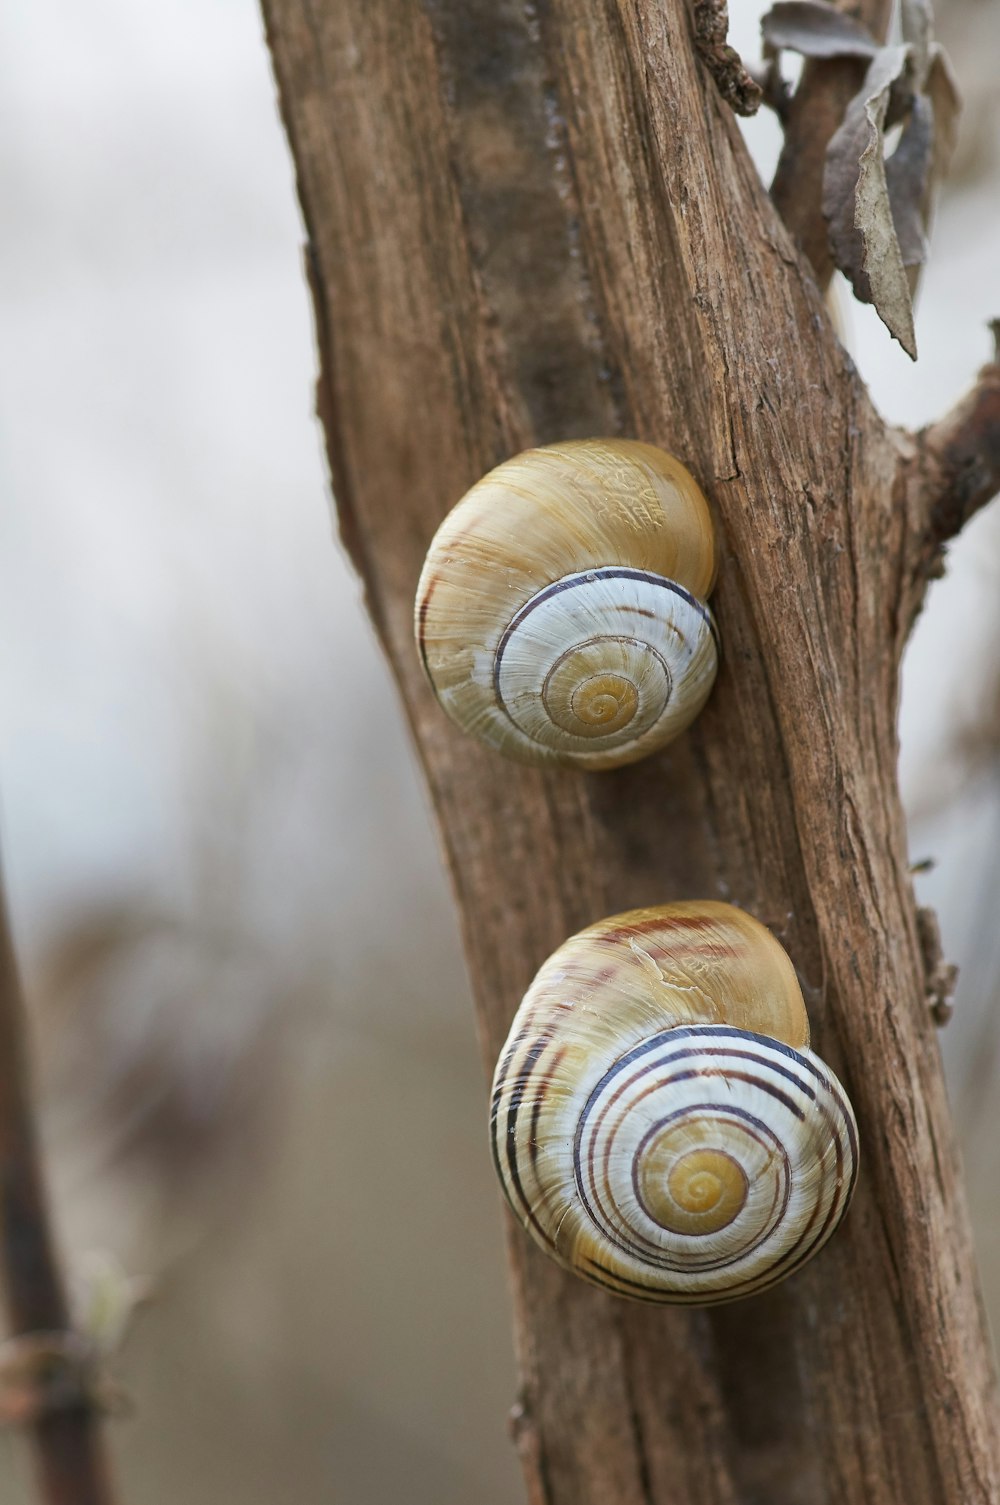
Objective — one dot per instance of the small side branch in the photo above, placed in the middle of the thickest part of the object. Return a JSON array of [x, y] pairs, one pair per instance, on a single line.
[[732, 78], [959, 463], [70, 1460], [940, 976]]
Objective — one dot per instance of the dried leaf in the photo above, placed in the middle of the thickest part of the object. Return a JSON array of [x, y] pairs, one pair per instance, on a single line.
[[856, 200], [916, 25], [920, 162], [907, 175], [879, 211], [946, 101], [815, 29]]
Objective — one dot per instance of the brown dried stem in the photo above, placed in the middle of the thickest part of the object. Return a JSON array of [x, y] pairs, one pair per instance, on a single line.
[[958, 459], [813, 114], [69, 1455]]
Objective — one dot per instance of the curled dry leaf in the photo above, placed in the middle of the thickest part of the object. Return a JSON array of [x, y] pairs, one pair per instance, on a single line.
[[817, 30], [942, 90], [922, 156], [890, 201], [907, 173], [856, 201], [916, 24], [879, 210]]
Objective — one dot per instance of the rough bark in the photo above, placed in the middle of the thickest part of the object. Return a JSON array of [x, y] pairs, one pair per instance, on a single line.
[[529, 223]]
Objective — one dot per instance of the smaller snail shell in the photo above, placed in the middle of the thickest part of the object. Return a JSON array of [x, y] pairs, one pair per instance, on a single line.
[[659, 1123], [560, 613]]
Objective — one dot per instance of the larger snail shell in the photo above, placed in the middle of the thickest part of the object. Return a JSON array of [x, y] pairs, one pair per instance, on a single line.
[[659, 1123], [560, 613]]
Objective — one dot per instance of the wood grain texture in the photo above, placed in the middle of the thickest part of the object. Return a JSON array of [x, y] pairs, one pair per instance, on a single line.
[[535, 223]]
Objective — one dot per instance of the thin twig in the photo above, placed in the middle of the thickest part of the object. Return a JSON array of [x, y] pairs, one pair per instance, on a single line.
[[69, 1454], [941, 977], [813, 114], [959, 463]]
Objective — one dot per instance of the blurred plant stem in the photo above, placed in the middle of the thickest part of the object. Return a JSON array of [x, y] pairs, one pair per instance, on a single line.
[[60, 1412]]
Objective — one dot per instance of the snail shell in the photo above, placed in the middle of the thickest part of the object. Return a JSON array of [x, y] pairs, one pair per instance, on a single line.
[[560, 613], [659, 1123]]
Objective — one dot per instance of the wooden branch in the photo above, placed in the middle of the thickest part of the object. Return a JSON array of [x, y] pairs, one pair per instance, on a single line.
[[46, 1359], [529, 224], [810, 119], [958, 464], [711, 39]]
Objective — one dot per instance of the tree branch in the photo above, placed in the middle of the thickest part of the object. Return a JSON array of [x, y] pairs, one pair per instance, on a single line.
[[45, 1359], [958, 463], [535, 223], [816, 109]]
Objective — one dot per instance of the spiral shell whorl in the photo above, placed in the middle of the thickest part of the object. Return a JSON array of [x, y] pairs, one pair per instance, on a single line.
[[662, 1157], [560, 615]]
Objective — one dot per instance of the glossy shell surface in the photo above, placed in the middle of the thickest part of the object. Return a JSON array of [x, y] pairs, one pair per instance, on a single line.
[[561, 612], [659, 1123]]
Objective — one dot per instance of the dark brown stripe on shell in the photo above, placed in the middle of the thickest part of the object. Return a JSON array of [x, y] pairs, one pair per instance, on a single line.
[[839, 1201], [517, 1091], [540, 1092], [604, 1221]]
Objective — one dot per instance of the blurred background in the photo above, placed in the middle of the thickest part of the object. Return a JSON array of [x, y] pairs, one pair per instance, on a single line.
[[218, 854]]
